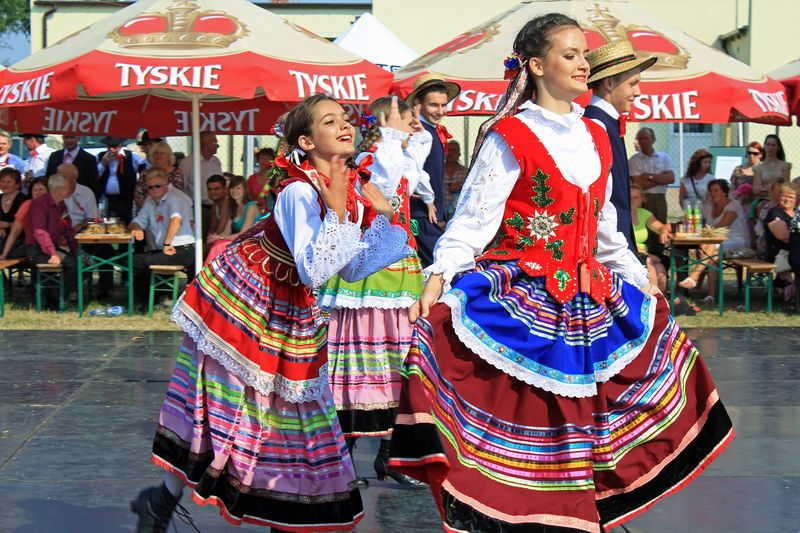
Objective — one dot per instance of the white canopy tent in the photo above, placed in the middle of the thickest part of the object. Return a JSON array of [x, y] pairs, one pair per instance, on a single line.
[[373, 41]]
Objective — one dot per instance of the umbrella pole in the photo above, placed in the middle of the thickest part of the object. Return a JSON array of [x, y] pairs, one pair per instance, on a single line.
[[197, 178]]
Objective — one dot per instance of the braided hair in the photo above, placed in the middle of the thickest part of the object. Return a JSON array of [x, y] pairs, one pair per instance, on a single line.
[[533, 40], [379, 107]]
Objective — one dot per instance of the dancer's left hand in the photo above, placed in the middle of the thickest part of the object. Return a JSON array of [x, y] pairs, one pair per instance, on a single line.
[[379, 203]]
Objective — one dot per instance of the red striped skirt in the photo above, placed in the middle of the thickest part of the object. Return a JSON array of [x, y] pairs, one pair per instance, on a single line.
[[501, 455]]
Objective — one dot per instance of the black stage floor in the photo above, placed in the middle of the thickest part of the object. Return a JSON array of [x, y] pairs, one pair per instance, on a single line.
[[78, 409]]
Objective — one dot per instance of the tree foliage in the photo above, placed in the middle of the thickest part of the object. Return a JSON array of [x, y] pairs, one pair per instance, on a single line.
[[15, 16]]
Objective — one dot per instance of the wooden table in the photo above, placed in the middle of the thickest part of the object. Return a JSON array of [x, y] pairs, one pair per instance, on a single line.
[[679, 248], [122, 260]]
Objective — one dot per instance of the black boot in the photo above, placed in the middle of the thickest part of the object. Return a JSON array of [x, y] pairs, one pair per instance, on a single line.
[[154, 505], [382, 468]]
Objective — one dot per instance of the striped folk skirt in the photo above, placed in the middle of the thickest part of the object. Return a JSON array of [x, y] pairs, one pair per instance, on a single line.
[[368, 339], [504, 455], [259, 458]]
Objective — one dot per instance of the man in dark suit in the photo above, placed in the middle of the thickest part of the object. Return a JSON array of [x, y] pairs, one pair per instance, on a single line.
[[432, 94], [72, 153], [614, 79], [117, 169]]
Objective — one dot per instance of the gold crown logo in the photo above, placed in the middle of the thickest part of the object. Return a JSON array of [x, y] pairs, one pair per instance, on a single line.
[[669, 53], [183, 25]]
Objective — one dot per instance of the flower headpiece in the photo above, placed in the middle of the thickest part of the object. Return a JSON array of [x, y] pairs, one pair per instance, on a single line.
[[512, 63], [366, 121], [278, 129]]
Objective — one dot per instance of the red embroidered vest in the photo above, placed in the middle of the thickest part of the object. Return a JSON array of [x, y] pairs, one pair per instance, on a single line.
[[401, 203], [549, 224]]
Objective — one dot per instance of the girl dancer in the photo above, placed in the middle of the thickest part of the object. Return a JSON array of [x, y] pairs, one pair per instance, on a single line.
[[248, 421], [369, 334], [549, 389]]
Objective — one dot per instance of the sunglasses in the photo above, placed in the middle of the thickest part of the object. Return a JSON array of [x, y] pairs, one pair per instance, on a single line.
[[151, 187], [753, 153]]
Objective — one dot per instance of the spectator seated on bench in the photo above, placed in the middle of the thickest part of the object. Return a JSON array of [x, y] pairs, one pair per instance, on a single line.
[[14, 245], [49, 237], [720, 212], [165, 222]]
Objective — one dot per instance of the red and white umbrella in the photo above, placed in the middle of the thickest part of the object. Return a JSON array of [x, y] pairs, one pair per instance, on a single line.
[[789, 76], [690, 82], [152, 63]]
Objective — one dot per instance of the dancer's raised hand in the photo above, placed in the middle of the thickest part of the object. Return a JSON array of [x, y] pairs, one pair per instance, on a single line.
[[334, 193]]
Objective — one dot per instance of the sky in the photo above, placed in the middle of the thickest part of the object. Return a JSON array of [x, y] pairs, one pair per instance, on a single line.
[[15, 46]]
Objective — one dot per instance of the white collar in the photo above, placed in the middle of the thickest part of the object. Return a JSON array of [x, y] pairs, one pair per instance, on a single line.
[[567, 120], [605, 106]]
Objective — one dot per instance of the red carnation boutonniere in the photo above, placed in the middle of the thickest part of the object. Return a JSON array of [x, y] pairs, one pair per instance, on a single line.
[[159, 218]]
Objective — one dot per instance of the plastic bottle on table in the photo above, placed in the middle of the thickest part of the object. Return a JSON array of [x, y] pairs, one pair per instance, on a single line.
[[114, 310], [102, 208]]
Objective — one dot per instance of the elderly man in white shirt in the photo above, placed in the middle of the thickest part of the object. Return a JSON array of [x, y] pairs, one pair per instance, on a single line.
[[81, 202], [653, 172], [165, 223]]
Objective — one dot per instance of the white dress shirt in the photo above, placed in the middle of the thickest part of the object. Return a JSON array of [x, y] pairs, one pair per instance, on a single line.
[[37, 162], [641, 163], [480, 208], [154, 219], [208, 167], [81, 204]]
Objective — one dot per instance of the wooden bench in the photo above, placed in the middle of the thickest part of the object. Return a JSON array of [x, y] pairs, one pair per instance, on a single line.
[[755, 269], [163, 278], [49, 277], [8, 264]]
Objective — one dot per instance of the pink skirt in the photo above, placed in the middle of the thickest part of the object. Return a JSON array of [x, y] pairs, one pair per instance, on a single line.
[[366, 351]]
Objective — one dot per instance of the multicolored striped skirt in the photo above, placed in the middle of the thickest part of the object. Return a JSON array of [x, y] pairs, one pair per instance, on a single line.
[[249, 421], [368, 339], [501, 454], [259, 458]]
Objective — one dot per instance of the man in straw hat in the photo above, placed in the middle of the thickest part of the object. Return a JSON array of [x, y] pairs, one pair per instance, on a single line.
[[430, 96], [614, 76]]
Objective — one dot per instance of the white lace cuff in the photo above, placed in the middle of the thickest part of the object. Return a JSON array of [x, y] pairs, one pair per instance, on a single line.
[[391, 134], [633, 273], [335, 246], [448, 273], [382, 245]]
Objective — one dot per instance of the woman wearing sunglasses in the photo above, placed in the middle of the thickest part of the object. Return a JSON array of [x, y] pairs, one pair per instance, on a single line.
[[744, 172]]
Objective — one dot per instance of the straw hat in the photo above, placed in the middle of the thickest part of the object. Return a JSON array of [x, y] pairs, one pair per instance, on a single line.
[[432, 78], [615, 58]]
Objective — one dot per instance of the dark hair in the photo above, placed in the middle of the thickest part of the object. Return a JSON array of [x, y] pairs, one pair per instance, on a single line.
[[381, 105], [435, 88], [269, 152], [781, 154], [722, 184], [533, 40], [298, 121], [234, 182], [13, 172], [41, 180], [696, 160], [216, 178]]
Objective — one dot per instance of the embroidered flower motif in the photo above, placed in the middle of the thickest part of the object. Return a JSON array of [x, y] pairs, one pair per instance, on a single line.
[[542, 225], [533, 265]]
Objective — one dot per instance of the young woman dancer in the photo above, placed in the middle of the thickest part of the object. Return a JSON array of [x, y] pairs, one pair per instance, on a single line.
[[248, 422], [549, 389], [369, 334]]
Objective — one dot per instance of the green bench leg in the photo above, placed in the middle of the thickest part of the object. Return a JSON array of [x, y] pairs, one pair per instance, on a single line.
[[747, 284], [3, 293], [151, 297], [769, 292], [38, 286], [175, 287]]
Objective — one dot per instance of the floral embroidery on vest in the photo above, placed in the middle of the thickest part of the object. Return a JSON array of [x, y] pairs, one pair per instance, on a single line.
[[549, 223]]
